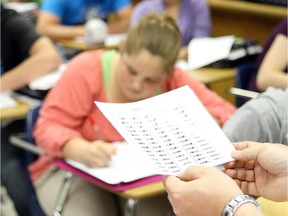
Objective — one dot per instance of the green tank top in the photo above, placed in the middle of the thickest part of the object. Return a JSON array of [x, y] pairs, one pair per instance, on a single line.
[[106, 61]]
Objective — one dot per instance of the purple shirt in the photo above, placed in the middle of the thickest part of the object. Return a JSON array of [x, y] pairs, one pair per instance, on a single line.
[[193, 19]]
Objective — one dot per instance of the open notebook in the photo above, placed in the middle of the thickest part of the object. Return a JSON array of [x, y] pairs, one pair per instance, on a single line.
[[126, 166]]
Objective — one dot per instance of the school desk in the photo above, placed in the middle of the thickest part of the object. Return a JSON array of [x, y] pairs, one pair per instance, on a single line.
[[217, 79], [17, 112], [271, 208], [81, 45]]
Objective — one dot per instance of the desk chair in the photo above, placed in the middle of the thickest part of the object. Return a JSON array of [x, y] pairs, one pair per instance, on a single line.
[[26, 141], [244, 74]]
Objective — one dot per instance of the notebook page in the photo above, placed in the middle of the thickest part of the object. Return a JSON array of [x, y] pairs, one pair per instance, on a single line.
[[173, 130], [126, 166]]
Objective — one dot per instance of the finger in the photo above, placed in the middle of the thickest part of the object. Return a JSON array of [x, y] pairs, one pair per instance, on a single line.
[[244, 145], [248, 187], [106, 151], [171, 182], [98, 162], [196, 172], [230, 165], [241, 174], [110, 149]]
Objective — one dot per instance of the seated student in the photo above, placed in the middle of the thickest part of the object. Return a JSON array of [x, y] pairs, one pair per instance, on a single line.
[[272, 62], [65, 19], [262, 119], [25, 55], [144, 68], [260, 169], [192, 17]]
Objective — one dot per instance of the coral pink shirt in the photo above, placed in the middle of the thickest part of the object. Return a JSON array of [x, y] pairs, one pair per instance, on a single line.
[[67, 108]]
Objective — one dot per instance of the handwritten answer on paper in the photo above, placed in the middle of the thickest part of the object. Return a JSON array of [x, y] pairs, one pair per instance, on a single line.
[[173, 130]]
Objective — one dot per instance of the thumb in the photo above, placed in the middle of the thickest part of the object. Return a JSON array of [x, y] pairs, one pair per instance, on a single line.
[[195, 172], [250, 153]]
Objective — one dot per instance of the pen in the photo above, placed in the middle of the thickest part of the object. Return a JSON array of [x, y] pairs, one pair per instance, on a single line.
[[95, 127]]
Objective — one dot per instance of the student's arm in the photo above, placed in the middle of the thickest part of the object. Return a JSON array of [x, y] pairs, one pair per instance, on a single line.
[[43, 59], [49, 24], [271, 71], [121, 21]]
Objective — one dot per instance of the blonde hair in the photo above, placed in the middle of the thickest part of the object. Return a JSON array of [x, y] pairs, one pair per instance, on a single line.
[[158, 34]]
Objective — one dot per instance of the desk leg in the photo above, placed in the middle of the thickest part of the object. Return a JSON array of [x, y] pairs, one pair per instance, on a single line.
[[130, 208]]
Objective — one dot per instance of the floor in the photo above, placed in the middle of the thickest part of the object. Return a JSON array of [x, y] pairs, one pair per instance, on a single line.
[[6, 204]]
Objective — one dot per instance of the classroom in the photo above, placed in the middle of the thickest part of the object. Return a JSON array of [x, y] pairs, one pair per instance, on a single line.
[[144, 108]]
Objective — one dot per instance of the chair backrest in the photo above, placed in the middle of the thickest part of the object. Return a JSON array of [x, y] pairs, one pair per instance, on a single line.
[[244, 74], [31, 119]]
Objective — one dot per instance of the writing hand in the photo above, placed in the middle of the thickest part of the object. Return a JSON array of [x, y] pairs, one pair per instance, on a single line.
[[99, 154]]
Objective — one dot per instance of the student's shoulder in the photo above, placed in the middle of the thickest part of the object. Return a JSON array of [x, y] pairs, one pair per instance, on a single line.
[[87, 56], [179, 78], [85, 61]]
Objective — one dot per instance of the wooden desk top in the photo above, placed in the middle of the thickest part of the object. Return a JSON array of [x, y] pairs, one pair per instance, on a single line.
[[249, 7], [17, 112], [144, 191], [83, 46], [210, 75]]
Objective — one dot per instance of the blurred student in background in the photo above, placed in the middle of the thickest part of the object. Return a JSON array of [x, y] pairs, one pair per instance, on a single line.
[[262, 119], [272, 62], [25, 55], [65, 19], [144, 68], [192, 17], [260, 169]]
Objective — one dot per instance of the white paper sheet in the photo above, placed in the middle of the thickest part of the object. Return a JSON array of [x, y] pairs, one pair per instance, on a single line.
[[172, 130], [115, 39], [47, 81], [204, 51], [22, 7], [127, 165], [6, 100], [110, 40]]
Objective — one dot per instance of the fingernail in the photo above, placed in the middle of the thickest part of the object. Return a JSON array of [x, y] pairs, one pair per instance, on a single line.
[[236, 153]]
